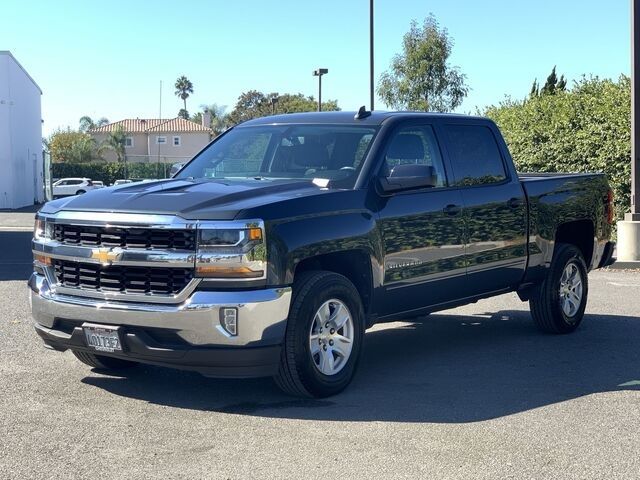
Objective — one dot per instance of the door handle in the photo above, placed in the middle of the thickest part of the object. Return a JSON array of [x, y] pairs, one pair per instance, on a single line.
[[452, 209], [514, 202]]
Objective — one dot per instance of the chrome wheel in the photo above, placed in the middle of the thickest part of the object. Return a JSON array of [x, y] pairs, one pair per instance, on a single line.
[[331, 337], [571, 289]]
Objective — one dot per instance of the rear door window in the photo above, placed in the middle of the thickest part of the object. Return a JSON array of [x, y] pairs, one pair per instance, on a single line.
[[475, 156]]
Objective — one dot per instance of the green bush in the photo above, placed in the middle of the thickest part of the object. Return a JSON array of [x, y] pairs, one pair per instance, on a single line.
[[585, 129], [110, 172]]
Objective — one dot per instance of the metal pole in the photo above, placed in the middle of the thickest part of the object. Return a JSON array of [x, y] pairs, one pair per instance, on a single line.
[[635, 112], [371, 86], [320, 92]]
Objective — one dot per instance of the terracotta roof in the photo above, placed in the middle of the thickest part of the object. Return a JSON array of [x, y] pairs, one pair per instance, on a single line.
[[145, 125]]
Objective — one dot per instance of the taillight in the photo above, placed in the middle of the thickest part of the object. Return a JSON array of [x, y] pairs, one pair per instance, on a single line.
[[609, 207]]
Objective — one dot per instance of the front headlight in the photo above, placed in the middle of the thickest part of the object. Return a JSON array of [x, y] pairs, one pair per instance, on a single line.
[[232, 253], [42, 230]]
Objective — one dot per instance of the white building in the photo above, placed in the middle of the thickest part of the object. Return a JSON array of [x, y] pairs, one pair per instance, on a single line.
[[21, 162]]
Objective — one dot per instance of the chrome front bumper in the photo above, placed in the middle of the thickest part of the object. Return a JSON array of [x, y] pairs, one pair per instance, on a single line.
[[262, 314]]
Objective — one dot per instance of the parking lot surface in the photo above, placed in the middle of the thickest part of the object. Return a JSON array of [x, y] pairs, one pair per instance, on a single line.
[[474, 392]]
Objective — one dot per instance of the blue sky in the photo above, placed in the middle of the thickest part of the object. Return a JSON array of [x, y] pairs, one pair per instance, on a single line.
[[108, 58]]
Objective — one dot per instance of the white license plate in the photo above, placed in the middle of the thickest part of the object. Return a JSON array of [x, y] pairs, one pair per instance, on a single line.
[[102, 338]]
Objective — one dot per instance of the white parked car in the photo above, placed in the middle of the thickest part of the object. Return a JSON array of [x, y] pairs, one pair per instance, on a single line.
[[72, 186], [98, 183], [121, 182]]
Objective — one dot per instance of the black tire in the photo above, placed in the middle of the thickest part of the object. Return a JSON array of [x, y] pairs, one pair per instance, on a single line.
[[80, 192], [298, 374], [102, 362], [546, 301]]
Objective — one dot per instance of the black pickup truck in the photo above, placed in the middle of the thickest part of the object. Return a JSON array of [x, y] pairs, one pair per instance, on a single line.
[[274, 249]]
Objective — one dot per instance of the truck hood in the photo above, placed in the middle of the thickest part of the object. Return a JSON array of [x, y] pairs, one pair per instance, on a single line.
[[191, 199]]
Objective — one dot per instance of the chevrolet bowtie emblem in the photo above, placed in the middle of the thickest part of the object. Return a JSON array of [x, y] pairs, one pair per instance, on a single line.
[[105, 255]]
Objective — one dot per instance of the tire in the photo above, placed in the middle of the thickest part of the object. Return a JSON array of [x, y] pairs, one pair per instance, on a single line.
[[300, 372], [102, 362], [551, 312], [80, 192]]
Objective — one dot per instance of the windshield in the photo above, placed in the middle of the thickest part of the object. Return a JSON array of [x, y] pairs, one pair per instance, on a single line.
[[330, 152]]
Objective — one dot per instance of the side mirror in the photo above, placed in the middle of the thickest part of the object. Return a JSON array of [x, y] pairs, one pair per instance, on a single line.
[[409, 177]]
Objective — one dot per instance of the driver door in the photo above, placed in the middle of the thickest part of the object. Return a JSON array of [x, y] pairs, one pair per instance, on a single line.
[[422, 229]]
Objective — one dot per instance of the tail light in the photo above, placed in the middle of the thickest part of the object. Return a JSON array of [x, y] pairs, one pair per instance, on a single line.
[[609, 207]]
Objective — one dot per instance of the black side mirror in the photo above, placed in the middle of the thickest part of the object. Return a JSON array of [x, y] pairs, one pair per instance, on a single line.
[[409, 177]]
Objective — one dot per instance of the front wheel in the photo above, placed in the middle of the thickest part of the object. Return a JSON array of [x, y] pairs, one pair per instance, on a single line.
[[324, 336], [558, 304]]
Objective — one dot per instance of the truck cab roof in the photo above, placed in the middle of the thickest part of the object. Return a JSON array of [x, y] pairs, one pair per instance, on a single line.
[[376, 118]]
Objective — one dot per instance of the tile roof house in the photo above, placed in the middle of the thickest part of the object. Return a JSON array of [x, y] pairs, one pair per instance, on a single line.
[[153, 139]]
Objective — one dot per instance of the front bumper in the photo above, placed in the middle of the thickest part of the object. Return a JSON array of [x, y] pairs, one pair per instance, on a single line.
[[186, 335]]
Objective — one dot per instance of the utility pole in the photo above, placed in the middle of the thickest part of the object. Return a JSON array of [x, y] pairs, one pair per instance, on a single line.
[[629, 229], [371, 83], [635, 112]]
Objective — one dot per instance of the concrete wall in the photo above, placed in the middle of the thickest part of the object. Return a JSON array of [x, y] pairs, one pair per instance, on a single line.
[[21, 164]]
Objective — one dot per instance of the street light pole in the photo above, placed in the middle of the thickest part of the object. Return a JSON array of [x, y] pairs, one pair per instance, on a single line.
[[371, 87], [319, 73]]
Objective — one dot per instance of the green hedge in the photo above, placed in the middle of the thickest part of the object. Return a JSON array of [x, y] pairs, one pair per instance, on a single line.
[[586, 129], [110, 172]]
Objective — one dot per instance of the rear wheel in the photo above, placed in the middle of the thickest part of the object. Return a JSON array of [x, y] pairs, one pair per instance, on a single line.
[[558, 304], [80, 192], [102, 362], [325, 330]]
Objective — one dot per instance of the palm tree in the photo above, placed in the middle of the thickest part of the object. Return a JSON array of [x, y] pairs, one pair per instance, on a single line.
[[87, 123], [116, 141], [183, 88]]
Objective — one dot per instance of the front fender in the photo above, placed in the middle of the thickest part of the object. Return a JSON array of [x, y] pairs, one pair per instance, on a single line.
[[295, 240]]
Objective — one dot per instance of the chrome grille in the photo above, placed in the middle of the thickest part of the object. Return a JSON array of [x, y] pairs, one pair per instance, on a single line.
[[122, 279], [133, 237]]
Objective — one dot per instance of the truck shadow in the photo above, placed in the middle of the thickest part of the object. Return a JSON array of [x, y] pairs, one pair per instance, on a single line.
[[445, 368]]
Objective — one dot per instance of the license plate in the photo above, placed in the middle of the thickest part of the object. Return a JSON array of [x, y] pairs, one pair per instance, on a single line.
[[102, 338]]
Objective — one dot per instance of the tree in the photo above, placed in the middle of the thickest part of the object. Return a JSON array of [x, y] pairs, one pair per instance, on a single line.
[[553, 85], [184, 87], [183, 114], [115, 141], [68, 146], [219, 117], [87, 123], [421, 78], [584, 129], [254, 104], [535, 89]]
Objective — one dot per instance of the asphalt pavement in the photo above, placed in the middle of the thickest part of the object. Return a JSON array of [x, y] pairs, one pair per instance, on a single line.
[[474, 392]]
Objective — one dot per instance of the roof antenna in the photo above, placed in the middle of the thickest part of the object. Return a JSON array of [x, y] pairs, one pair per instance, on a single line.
[[362, 113]]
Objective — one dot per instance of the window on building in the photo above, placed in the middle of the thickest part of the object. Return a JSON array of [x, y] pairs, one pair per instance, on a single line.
[[128, 142], [161, 140], [176, 141]]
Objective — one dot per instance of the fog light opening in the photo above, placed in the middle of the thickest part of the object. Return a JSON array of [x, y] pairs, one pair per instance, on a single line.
[[229, 320]]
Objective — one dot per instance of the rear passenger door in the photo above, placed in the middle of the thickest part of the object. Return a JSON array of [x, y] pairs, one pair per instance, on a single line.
[[495, 214]]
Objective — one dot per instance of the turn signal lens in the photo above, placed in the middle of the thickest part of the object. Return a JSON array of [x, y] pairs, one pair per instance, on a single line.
[[42, 260], [216, 271], [255, 234]]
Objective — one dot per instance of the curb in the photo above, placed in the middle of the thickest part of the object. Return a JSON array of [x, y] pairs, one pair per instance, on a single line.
[[625, 265]]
